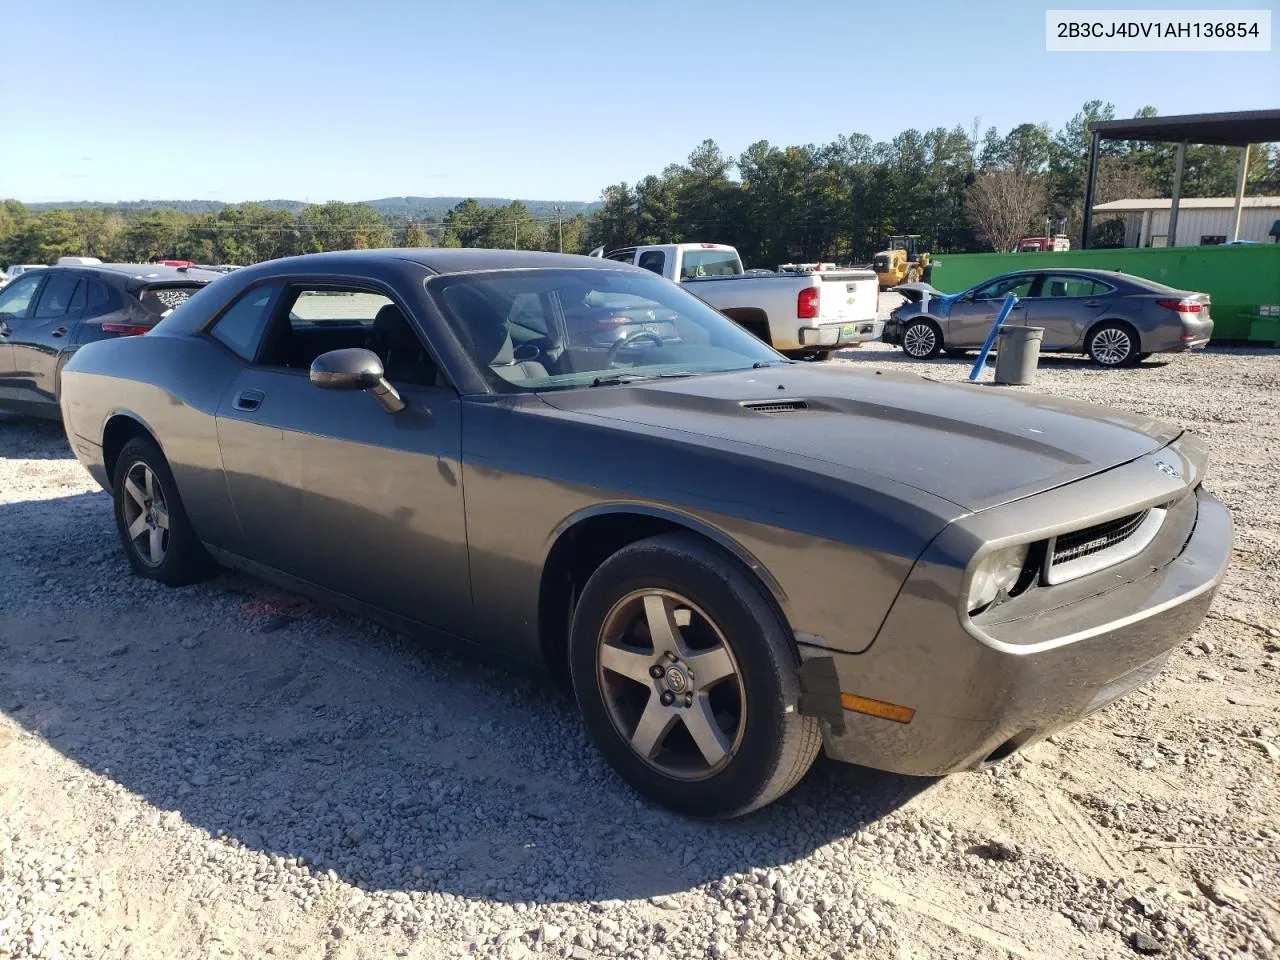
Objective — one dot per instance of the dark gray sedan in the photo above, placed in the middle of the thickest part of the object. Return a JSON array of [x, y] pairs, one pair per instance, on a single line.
[[1115, 319], [737, 560]]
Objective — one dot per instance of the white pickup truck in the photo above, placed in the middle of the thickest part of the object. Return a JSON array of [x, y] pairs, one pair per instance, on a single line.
[[800, 312]]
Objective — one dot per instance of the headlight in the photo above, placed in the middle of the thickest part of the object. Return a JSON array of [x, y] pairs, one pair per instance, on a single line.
[[997, 571]]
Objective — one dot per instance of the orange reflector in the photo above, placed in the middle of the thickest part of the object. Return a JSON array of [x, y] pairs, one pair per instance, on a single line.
[[876, 708]]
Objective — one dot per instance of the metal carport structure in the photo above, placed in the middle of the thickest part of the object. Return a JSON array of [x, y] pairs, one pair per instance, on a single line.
[[1242, 129]]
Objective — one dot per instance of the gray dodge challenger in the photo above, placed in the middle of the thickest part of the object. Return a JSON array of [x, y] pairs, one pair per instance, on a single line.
[[735, 559]]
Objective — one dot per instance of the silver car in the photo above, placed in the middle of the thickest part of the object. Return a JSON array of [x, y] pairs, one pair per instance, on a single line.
[[1115, 319]]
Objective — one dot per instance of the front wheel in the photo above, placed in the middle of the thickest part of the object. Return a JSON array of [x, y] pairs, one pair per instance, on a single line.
[[158, 537], [1112, 345], [686, 679], [921, 340]]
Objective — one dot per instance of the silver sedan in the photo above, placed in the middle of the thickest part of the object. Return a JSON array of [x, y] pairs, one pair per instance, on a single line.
[[1115, 319]]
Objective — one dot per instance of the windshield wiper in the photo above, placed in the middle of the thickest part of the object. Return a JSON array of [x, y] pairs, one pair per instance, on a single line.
[[617, 379], [635, 377], [768, 363]]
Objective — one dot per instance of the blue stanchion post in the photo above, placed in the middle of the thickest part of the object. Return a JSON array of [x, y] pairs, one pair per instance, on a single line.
[[1005, 309]]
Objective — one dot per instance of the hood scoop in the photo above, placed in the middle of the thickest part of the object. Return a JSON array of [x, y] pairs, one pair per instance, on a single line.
[[775, 406]]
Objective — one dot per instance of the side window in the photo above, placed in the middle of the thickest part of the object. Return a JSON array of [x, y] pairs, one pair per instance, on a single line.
[[315, 320], [56, 296], [999, 289], [240, 328], [78, 298], [622, 256], [17, 296], [654, 260], [98, 299], [1060, 286]]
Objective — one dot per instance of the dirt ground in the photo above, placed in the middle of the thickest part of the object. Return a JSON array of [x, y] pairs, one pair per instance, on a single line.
[[227, 770]]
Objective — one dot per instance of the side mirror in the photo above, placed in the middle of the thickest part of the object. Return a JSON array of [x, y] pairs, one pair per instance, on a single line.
[[354, 368]]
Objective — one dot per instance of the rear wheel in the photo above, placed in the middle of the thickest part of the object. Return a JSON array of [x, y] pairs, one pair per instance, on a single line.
[[912, 275], [921, 340], [686, 679], [1112, 345], [158, 538]]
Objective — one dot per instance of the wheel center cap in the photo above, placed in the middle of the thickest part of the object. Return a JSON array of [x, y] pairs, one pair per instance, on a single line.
[[677, 680]]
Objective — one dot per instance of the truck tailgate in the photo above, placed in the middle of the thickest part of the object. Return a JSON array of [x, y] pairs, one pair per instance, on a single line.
[[848, 295]]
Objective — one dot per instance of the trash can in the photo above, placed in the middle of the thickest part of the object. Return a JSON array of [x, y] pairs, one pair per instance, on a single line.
[[1018, 354]]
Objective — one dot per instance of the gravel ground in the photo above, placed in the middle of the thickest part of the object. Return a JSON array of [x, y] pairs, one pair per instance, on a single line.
[[226, 770]]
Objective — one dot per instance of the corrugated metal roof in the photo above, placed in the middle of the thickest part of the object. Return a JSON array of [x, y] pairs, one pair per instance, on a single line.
[[1186, 203], [1227, 129]]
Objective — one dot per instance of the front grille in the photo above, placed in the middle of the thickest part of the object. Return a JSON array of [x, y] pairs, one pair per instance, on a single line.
[[1095, 539]]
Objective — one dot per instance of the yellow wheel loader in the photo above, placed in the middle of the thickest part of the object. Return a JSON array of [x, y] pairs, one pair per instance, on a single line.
[[902, 262]]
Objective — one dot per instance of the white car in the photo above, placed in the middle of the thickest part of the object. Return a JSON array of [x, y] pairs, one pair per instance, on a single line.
[[804, 310], [15, 270]]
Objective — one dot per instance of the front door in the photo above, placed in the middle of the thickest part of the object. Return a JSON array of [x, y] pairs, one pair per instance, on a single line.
[[40, 339], [971, 317], [1066, 306], [328, 486], [16, 301]]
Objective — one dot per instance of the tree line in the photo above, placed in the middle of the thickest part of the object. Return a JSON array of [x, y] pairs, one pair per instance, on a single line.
[[247, 233], [961, 190]]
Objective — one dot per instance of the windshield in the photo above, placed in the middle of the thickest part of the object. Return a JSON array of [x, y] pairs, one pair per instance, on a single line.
[[564, 328], [709, 263]]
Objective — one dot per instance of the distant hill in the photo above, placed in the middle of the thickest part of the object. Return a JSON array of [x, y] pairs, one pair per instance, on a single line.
[[394, 208]]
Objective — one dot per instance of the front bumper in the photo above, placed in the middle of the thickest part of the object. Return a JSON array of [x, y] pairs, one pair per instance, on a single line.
[[834, 335], [978, 698]]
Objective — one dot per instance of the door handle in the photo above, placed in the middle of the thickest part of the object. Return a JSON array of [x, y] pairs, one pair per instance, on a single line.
[[60, 332], [4, 329], [1092, 303], [249, 400]]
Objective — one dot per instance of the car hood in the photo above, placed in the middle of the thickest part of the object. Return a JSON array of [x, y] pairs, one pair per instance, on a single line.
[[972, 444]]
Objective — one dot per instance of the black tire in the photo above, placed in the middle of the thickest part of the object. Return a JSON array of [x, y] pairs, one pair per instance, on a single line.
[[773, 745], [921, 339], [913, 275], [182, 558], [1112, 345], [1143, 357]]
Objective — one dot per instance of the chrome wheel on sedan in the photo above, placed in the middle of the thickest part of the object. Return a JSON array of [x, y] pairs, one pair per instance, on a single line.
[[687, 678], [921, 340], [146, 514], [1112, 345], [672, 686]]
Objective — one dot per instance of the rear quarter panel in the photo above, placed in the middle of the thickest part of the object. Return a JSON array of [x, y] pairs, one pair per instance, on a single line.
[[172, 386]]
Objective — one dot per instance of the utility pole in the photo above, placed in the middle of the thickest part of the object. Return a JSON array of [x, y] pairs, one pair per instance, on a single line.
[[515, 226], [559, 226]]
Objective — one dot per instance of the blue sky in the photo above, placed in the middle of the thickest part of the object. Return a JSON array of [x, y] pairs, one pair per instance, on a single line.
[[350, 100]]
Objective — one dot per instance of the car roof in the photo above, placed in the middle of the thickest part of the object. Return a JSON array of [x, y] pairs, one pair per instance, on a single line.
[[147, 272], [438, 260]]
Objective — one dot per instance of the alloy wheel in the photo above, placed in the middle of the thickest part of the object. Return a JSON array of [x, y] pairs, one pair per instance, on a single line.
[[919, 340], [146, 514], [1111, 347], [671, 685]]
